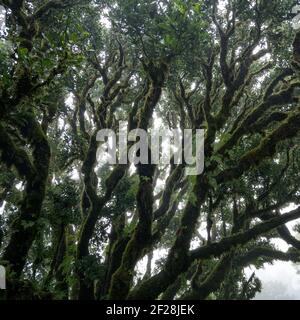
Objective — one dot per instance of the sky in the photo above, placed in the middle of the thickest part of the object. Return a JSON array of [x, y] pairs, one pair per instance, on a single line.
[[284, 273]]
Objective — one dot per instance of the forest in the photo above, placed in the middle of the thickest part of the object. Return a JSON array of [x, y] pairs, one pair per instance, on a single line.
[[75, 227]]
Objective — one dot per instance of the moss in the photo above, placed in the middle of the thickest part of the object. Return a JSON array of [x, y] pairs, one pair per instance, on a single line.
[[123, 277], [267, 148], [24, 228]]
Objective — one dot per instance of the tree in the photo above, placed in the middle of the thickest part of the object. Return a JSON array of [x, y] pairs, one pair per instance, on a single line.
[[76, 228]]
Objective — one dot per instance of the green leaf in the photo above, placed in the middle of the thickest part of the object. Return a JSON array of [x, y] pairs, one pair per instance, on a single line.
[[22, 52], [197, 8]]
